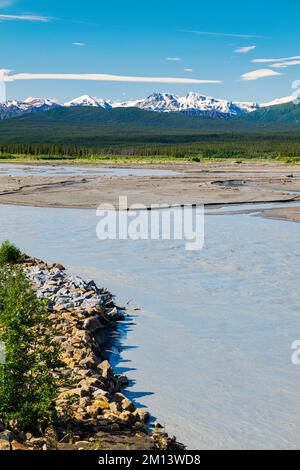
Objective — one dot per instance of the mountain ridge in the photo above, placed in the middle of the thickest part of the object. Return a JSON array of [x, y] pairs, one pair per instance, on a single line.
[[190, 104]]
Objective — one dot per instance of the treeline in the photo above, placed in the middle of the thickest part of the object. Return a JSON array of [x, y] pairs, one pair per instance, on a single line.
[[235, 148]]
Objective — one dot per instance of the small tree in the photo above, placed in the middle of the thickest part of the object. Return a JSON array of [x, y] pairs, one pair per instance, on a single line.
[[27, 384], [10, 254]]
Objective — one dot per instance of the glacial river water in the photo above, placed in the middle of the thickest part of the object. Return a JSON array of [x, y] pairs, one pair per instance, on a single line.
[[209, 351], [20, 169]]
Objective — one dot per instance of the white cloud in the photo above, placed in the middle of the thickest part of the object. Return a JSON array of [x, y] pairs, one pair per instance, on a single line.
[[216, 34], [261, 73], [284, 65], [245, 49], [6, 76], [78, 44], [283, 59], [188, 70], [174, 59], [4, 73], [39, 19]]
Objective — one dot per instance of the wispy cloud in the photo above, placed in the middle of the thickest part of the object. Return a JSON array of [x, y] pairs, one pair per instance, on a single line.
[[218, 34], [3, 74], [261, 73], [6, 76], [188, 70], [245, 49], [282, 59], [173, 59], [284, 65], [78, 44], [34, 18]]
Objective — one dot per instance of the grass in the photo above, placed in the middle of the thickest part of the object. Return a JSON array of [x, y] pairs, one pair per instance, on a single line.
[[138, 160], [105, 159]]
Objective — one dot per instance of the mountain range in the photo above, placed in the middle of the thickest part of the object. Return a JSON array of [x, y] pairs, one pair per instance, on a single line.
[[193, 104]]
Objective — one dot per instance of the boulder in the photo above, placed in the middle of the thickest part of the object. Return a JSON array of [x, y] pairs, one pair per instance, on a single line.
[[115, 408], [84, 402], [119, 397], [109, 304], [4, 444], [116, 315], [142, 414], [92, 325], [15, 445], [58, 266], [89, 362], [90, 381], [97, 407], [37, 442], [128, 417], [6, 435], [106, 369], [127, 405], [59, 308], [101, 394], [85, 392]]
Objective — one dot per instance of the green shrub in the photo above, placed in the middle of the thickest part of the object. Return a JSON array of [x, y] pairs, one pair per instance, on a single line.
[[10, 254], [27, 383]]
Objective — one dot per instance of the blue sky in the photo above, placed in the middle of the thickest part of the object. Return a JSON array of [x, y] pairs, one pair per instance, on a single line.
[[209, 41]]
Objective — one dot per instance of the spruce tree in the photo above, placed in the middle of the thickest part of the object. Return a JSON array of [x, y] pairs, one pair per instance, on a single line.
[[27, 383]]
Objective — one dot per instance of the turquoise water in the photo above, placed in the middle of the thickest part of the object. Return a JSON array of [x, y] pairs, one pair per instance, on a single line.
[[210, 350]]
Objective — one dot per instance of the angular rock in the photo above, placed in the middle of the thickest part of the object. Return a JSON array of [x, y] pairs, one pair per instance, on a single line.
[[15, 445], [97, 407], [127, 405], [6, 435], [106, 369], [115, 408], [128, 417], [4, 444], [92, 325], [142, 414]]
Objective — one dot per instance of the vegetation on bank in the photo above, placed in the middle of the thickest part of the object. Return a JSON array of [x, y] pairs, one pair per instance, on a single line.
[[282, 151], [10, 254], [27, 384], [93, 134]]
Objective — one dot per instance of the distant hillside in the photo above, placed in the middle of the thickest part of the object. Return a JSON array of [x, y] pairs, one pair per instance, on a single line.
[[283, 113], [113, 130], [95, 126]]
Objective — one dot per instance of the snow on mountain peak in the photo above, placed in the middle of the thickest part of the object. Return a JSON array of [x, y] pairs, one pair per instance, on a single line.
[[39, 102], [193, 103], [87, 100]]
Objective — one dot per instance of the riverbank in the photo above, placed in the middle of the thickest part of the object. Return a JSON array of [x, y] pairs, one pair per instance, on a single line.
[[211, 183], [226, 302], [93, 413]]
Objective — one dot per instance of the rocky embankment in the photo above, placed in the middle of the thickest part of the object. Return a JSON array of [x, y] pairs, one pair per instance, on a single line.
[[93, 413]]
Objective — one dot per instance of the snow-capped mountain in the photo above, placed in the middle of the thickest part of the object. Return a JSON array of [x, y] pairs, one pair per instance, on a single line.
[[124, 104], [192, 104], [86, 100], [195, 104], [30, 105]]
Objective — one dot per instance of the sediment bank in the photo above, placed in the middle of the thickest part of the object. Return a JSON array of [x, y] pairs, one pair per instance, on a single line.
[[214, 183]]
